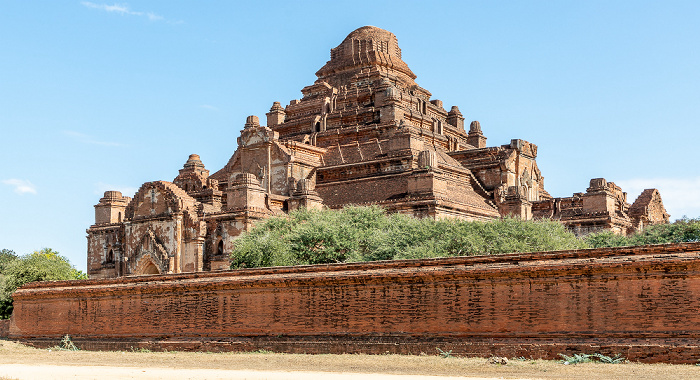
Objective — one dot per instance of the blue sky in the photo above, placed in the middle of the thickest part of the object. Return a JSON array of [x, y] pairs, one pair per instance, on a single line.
[[102, 95]]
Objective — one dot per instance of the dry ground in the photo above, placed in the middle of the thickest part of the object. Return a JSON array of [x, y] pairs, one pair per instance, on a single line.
[[14, 353]]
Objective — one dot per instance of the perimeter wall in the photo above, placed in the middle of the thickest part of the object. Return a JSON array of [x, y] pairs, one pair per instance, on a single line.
[[641, 302]]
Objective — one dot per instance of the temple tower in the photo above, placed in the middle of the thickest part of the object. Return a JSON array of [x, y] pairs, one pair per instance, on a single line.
[[111, 208]]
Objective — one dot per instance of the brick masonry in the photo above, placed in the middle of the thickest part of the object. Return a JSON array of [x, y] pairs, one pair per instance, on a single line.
[[641, 302], [364, 133]]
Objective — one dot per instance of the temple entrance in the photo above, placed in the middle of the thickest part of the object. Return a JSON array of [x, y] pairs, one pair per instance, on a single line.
[[146, 265], [150, 268]]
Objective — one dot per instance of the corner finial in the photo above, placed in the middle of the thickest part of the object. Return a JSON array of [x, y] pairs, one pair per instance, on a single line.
[[252, 121], [475, 127]]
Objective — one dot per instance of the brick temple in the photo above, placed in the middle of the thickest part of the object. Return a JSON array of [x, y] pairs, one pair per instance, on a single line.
[[364, 133]]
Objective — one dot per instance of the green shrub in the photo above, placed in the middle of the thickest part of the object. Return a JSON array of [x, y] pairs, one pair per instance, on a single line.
[[681, 231], [356, 234], [607, 239]]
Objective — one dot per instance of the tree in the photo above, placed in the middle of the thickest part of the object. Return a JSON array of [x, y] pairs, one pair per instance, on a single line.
[[43, 265], [6, 256]]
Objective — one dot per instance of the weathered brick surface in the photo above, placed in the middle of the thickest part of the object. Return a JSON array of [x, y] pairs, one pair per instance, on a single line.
[[4, 328], [642, 302]]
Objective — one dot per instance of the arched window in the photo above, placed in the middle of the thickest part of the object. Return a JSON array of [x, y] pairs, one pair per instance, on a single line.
[[119, 217], [110, 256], [220, 248], [317, 127]]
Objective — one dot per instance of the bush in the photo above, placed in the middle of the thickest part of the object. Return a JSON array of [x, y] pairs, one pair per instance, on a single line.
[[681, 231], [368, 234], [42, 265]]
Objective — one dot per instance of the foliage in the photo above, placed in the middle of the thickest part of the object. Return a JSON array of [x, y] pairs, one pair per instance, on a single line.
[[66, 344], [6, 256], [43, 265], [444, 354], [606, 239], [596, 357], [356, 234], [617, 359], [680, 231], [576, 359]]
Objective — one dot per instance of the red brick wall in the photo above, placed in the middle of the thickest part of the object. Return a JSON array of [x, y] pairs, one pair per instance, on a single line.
[[4, 328], [642, 302]]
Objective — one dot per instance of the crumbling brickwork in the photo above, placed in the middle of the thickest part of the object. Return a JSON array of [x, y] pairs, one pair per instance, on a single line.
[[604, 207], [363, 133], [641, 302]]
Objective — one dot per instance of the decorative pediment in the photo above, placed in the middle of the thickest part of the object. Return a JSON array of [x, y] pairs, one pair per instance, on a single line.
[[159, 198]]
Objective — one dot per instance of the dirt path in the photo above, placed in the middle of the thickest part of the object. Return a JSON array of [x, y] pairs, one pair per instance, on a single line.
[[49, 372], [22, 362]]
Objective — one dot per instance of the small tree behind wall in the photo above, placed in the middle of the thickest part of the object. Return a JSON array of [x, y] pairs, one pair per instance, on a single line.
[[43, 265]]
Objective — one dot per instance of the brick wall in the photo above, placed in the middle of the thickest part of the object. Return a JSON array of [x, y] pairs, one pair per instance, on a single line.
[[642, 302], [4, 328]]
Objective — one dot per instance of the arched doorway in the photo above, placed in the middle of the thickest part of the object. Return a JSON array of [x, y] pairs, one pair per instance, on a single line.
[[150, 268], [147, 265]]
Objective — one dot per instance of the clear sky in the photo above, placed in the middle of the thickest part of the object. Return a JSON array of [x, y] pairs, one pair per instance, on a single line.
[[98, 95]]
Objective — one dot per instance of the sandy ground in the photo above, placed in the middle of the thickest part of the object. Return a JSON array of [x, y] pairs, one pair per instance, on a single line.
[[48, 372], [21, 362]]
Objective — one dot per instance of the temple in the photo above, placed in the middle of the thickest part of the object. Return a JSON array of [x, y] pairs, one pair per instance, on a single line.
[[365, 133]]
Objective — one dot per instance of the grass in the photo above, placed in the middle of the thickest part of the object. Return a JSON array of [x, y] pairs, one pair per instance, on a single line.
[[15, 353]]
